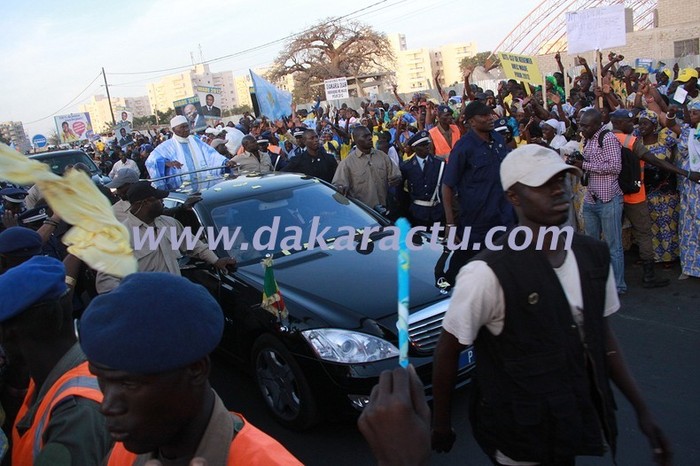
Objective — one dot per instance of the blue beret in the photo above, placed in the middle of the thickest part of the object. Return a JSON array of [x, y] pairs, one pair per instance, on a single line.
[[151, 323], [15, 195], [41, 278], [419, 138], [621, 114], [443, 109], [20, 241]]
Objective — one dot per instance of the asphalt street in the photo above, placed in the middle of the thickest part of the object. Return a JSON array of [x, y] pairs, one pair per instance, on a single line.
[[658, 329]]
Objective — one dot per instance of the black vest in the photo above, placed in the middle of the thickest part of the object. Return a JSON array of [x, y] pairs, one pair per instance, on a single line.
[[542, 393]]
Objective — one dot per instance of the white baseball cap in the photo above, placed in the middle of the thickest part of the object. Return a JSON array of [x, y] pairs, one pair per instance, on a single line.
[[532, 165]]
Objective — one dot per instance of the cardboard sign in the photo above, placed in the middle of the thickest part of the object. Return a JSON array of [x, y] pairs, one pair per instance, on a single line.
[[596, 29], [520, 68], [336, 88]]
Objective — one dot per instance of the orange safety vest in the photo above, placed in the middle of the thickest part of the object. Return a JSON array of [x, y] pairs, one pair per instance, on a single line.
[[250, 447], [443, 149], [627, 140], [76, 382]]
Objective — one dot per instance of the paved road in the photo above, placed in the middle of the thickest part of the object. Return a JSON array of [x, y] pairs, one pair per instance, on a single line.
[[659, 331]]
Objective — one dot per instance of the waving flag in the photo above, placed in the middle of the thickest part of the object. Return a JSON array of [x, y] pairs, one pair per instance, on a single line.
[[274, 103], [272, 300]]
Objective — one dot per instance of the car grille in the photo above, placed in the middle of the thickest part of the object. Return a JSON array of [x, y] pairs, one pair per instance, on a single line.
[[424, 326]]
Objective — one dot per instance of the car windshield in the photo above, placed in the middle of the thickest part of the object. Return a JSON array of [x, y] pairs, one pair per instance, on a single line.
[[295, 215], [59, 162]]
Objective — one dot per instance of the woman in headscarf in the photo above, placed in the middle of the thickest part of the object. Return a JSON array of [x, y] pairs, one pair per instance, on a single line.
[[689, 160], [662, 195], [553, 133]]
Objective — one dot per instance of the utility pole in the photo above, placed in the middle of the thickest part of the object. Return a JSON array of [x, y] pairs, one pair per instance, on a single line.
[[109, 99]]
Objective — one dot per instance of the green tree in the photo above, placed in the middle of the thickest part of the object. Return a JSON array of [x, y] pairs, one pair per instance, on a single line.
[[331, 49], [144, 122], [238, 110], [165, 117], [477, 60]]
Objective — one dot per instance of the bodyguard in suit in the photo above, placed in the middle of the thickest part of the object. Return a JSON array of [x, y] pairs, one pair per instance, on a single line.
[[422, 176]]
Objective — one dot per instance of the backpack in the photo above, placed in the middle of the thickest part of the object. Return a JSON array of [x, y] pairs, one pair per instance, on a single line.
[[630, 177]]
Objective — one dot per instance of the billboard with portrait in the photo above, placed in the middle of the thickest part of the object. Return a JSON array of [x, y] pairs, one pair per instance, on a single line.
[[74, 127], [192, 110], [124, 119], [210, 101]]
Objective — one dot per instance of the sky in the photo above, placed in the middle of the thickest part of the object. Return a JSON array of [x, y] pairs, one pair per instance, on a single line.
[[54, 51]]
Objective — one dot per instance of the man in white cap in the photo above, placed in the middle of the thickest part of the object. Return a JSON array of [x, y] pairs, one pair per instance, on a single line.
[[536, 311], [181, 154]]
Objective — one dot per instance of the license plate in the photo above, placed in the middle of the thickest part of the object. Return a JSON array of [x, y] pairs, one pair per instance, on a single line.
[[466, 358]]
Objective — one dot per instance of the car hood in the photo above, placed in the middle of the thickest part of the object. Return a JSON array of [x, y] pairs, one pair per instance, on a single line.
[[344, 288]]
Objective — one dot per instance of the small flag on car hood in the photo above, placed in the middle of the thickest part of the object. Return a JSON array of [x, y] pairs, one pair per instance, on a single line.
[[272, 300]]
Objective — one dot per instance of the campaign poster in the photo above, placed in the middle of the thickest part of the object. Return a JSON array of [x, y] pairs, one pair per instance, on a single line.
[[192, 110], [74, 127], [124, 119], [210, 101]]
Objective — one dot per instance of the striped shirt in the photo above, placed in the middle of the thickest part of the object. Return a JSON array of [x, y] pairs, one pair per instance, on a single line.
[[603, 165]]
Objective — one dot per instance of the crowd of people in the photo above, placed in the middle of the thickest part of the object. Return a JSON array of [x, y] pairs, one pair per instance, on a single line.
[[610, 152]]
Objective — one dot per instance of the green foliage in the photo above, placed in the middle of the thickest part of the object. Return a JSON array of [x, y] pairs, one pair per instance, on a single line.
[[471, 62]]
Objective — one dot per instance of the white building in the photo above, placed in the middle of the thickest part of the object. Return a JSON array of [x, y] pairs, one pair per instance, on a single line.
[[13, 131]]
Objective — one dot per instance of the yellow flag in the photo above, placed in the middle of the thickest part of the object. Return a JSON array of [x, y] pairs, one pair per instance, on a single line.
[[97, 237]]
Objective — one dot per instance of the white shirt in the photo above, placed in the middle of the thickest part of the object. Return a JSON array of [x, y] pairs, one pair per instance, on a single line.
[[478, 301], [126, 164]]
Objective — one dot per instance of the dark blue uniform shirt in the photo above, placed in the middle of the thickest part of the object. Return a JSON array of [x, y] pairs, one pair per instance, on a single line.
[[474, 171], [421, 185]]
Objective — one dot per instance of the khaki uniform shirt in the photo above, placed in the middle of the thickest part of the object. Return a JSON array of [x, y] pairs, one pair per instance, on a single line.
[[367, 176]]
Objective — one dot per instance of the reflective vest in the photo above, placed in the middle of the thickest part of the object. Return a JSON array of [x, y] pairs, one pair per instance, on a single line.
[[250, 447], [442, 149], [627, 140], [76, 382]]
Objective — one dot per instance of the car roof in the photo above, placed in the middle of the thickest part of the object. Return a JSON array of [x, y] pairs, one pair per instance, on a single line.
[[57, 153], [246, 185]]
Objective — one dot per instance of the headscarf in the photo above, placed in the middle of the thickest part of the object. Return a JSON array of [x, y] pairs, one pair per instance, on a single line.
[[695, 105], [559, 127], [651, 116]]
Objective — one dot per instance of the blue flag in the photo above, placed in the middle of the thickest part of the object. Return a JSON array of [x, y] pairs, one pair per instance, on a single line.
[[274, 103]]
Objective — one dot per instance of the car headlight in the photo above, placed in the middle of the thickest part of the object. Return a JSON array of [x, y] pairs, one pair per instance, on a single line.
[[348, 347]]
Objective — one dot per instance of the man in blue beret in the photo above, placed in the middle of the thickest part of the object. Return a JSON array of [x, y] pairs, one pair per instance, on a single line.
[[422, 174], [17, 245], [59, 422], [152, 362]]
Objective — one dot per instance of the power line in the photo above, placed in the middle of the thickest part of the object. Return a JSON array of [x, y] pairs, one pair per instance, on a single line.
[[69, 103], [258, 47]]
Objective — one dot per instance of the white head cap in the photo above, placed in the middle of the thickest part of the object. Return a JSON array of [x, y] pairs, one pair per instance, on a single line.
[[178, 120]]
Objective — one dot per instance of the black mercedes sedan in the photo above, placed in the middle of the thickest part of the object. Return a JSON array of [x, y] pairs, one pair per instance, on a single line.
[[337, 275]]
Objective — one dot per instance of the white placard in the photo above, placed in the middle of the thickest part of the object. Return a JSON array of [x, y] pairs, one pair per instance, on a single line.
[[336, 88], [680, 95], [596, 29]]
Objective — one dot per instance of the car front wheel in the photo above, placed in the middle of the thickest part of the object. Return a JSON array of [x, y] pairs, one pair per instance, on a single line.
[[282, 384]]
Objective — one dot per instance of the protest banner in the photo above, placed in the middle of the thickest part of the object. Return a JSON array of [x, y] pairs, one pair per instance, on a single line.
[[336, 88], [596, 29], [520, 68], [73, 127], [192, 110], [210, 100]]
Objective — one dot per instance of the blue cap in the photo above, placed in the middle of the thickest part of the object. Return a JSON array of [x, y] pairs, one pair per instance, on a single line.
[[134, 329], [264, 137], [419, 138], [621, 114], [20, 241], [39, 279], [443, 109], [15, 195], [501, 125]]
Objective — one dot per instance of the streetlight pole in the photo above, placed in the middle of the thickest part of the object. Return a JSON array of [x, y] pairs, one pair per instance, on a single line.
[[109, 99]]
